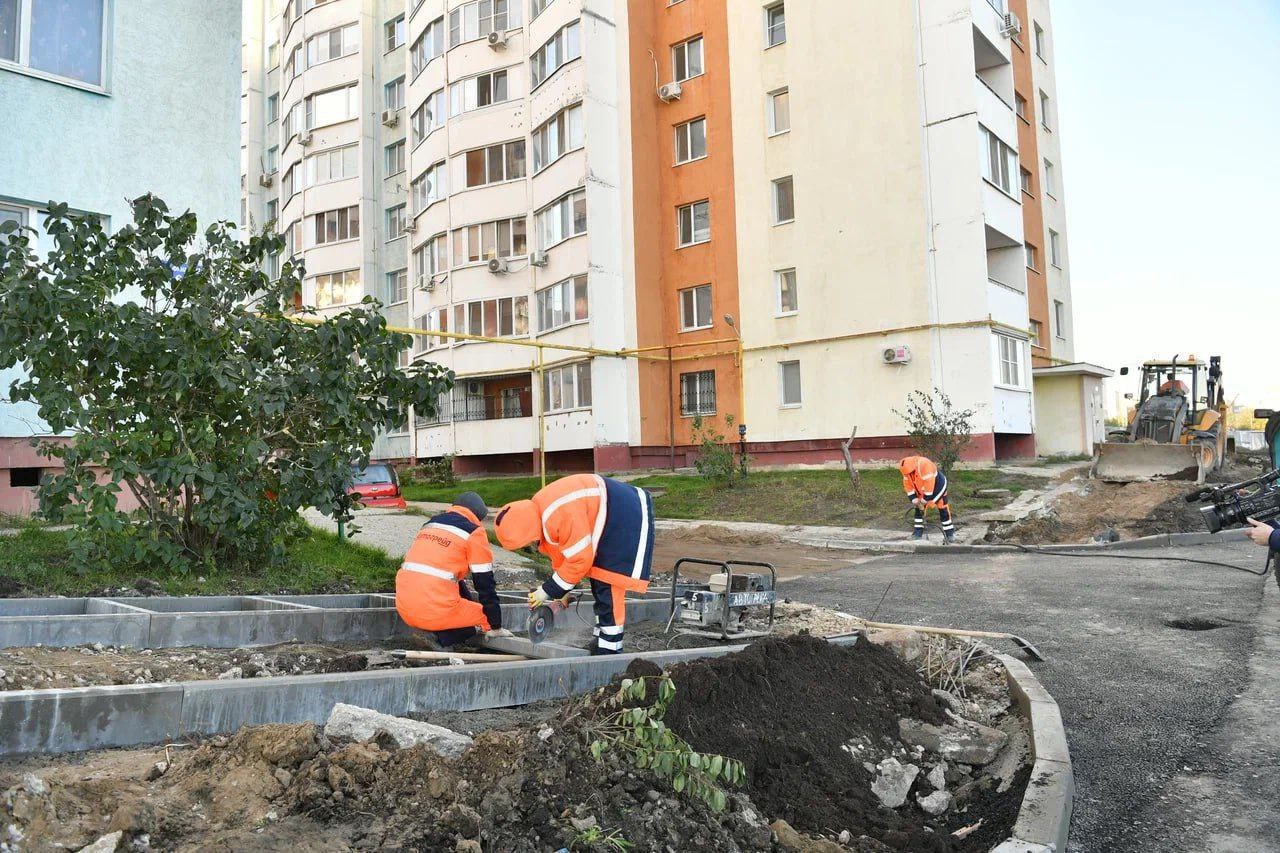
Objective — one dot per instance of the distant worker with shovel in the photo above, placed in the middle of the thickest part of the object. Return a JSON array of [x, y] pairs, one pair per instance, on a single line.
[[926, 486], [431, 591], [591, 527]]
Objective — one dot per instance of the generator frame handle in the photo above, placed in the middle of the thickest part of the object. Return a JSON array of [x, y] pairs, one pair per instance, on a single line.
[[727, 565]]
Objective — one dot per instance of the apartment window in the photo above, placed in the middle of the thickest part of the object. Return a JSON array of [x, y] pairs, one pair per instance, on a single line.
[[1032, 260], [562, 219], [477, 19], [1042, 44], [333, 44], [784, 201], [332, 165], [273, 108], [394, 32], [1001, 162], [1020, 106], [273, 210], [557, 136], [1050, 179], [1037, 332], [293, 239], [686, 59], [393, 158], [1010, 361], [1024, 180], [779, 111], [56, 37], [1060, 320], [695, 308], [435, 320], [13, 214], [427, 46], [337, 288], [333, 226], [393, 95], [998, 5], [693, 223], [397, 286], [691, 140], [562, 303], [493, 318], [293, 66], [477, 92], [430, 259], [428, 117], [331, 107], [1055, 248], [788, 299], [397, 218], [273, 55], [789, 384], [502, 238], [538, 6], [293, 121], [698, 393], [495, 164], [568, 387], [1044, 111], [563, 47], [271, 162], [775, 25], [428, 188], [24, 478]]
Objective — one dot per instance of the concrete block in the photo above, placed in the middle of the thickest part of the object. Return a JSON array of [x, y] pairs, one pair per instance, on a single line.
[[1014, 845], [1023, 684], [76, 719], [261, 602], [42, 606], [106, 605], [1045, 816], [1048, 735], [363, 624], [354, 723], [230, 630], [522, 646], [110, 629]]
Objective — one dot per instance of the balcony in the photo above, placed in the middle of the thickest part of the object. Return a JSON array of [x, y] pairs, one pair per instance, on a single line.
[[495, 408], [494, 398]]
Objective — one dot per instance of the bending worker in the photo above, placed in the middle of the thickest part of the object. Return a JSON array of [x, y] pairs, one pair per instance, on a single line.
[[927, 487], [431, 593], [593, 527]]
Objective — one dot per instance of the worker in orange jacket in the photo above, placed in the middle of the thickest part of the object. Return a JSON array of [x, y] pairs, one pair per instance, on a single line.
[[431, 591], [591, 527], [926, 486]]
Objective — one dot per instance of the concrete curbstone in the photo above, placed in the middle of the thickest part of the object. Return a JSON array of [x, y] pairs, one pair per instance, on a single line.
[[81, 718]]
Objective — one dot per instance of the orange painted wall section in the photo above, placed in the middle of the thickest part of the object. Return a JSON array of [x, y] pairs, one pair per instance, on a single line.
[[660, 187]]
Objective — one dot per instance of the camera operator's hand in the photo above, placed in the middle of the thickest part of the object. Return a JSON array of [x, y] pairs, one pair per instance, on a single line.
[[1259, 532]]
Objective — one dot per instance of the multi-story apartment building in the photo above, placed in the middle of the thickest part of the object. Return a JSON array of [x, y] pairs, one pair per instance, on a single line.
[[659, 210], [103, 101]]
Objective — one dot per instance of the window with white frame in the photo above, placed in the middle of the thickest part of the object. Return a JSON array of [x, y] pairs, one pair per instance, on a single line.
[[537, 7], [784, 200], [1000, 163], [1020, 106], [779, 111], [1024, 178], [789, 384], [393, 94], [693, 223], [273, 210], [479, 91], [292, 182], [1044, 112], [686, 59], [475, 20], [1032, 257], [1055, 248], [427, 46], [394, 32], [333, 44], [397, 287], [55, 37], [293, 239], [484, 241], [271, 162], [495, 164], [1042, 43], [293, 122], [1037, 333], [430, 259], [775, 25], [691, 140], [13, 214], [563, 47], [564, 218], [788, 298], [562, 303], [567, 387], [332, 165], [393, 159], [435, 320], [1050, 179], [1011, 372], [698, 393], [332, 107], [1059, 320], [557, 136], [493, 318], [695, 308], [273, 55], [428, 117], [429, 187], [337, 288], [397, 218], [294, 65], [334, 226], [273, 108]]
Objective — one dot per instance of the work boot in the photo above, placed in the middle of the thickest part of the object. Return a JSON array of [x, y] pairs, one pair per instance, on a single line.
[[918, 534], [948, 537]]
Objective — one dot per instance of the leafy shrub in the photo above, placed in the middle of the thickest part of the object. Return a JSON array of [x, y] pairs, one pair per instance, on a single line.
[[937, 428], [716, 460]]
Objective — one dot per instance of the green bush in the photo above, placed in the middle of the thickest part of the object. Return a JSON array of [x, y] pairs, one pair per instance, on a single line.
[[716, 460]]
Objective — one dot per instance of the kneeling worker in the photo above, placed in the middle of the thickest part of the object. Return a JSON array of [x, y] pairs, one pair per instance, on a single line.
[[431, 593], [927, 487], [593, 527]]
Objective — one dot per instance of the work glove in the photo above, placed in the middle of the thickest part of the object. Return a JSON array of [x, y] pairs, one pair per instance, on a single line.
[[538, 597], [497, 632]]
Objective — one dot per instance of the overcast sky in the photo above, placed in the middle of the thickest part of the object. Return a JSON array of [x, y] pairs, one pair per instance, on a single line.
[[1170, 123]]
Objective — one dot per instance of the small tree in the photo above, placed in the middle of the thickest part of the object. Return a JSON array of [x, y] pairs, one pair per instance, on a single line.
[[182, 372], [715, 459], [937, 429]]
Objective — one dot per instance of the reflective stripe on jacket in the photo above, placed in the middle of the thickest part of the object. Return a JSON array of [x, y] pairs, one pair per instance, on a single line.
[[597, 527], [429, 595], [922, 479]]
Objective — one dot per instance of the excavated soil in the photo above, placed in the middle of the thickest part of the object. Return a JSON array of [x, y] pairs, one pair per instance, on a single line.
[[1104, 512]]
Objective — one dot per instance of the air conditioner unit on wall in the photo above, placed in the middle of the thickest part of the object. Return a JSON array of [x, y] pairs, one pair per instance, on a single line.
[[475, 388], [1012, 26], [497, 40], [390, 118], [304, 138], [896, 355], [497, 265], [668, 92], [538, 258], [267, 179]]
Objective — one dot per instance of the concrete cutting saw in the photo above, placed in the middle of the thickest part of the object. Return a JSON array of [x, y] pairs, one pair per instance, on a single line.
[[542, 619]]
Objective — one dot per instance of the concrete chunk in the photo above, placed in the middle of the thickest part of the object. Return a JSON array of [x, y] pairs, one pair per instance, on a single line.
[[105, 844], [354, 723], [893, 781], [968, 743], [523, 646]]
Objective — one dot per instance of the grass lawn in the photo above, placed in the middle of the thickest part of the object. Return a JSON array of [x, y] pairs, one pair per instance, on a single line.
[[38, 562], [780, 497]]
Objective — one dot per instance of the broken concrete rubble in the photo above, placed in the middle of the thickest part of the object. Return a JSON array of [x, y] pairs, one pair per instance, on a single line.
[[936, 803], [352, 723], [908, 645], [966, 742], [893, 782]]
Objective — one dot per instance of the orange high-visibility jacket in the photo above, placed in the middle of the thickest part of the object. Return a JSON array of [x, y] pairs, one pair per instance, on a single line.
[[428, 592], [922, 479]]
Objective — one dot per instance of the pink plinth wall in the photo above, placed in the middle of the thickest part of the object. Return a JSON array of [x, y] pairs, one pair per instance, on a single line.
[[23, 500]]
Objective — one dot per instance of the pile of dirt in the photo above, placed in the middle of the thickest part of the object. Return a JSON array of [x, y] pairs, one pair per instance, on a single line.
[[1102, 511]]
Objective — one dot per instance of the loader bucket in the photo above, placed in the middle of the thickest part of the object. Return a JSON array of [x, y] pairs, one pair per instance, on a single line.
[[1120, 462]]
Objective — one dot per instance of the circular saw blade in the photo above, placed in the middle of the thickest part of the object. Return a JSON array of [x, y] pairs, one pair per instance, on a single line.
[[541, 621]]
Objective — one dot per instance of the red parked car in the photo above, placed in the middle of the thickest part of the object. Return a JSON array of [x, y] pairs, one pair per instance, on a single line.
[[376, 485]]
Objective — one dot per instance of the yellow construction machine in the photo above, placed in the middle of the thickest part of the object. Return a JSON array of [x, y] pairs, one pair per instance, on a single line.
[[1174, 432]]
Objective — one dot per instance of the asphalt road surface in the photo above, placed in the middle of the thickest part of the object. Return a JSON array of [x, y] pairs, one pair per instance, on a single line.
[[1174, 733]]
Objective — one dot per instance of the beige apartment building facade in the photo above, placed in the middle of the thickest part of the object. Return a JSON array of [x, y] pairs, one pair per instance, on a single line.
[[698, 208]]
